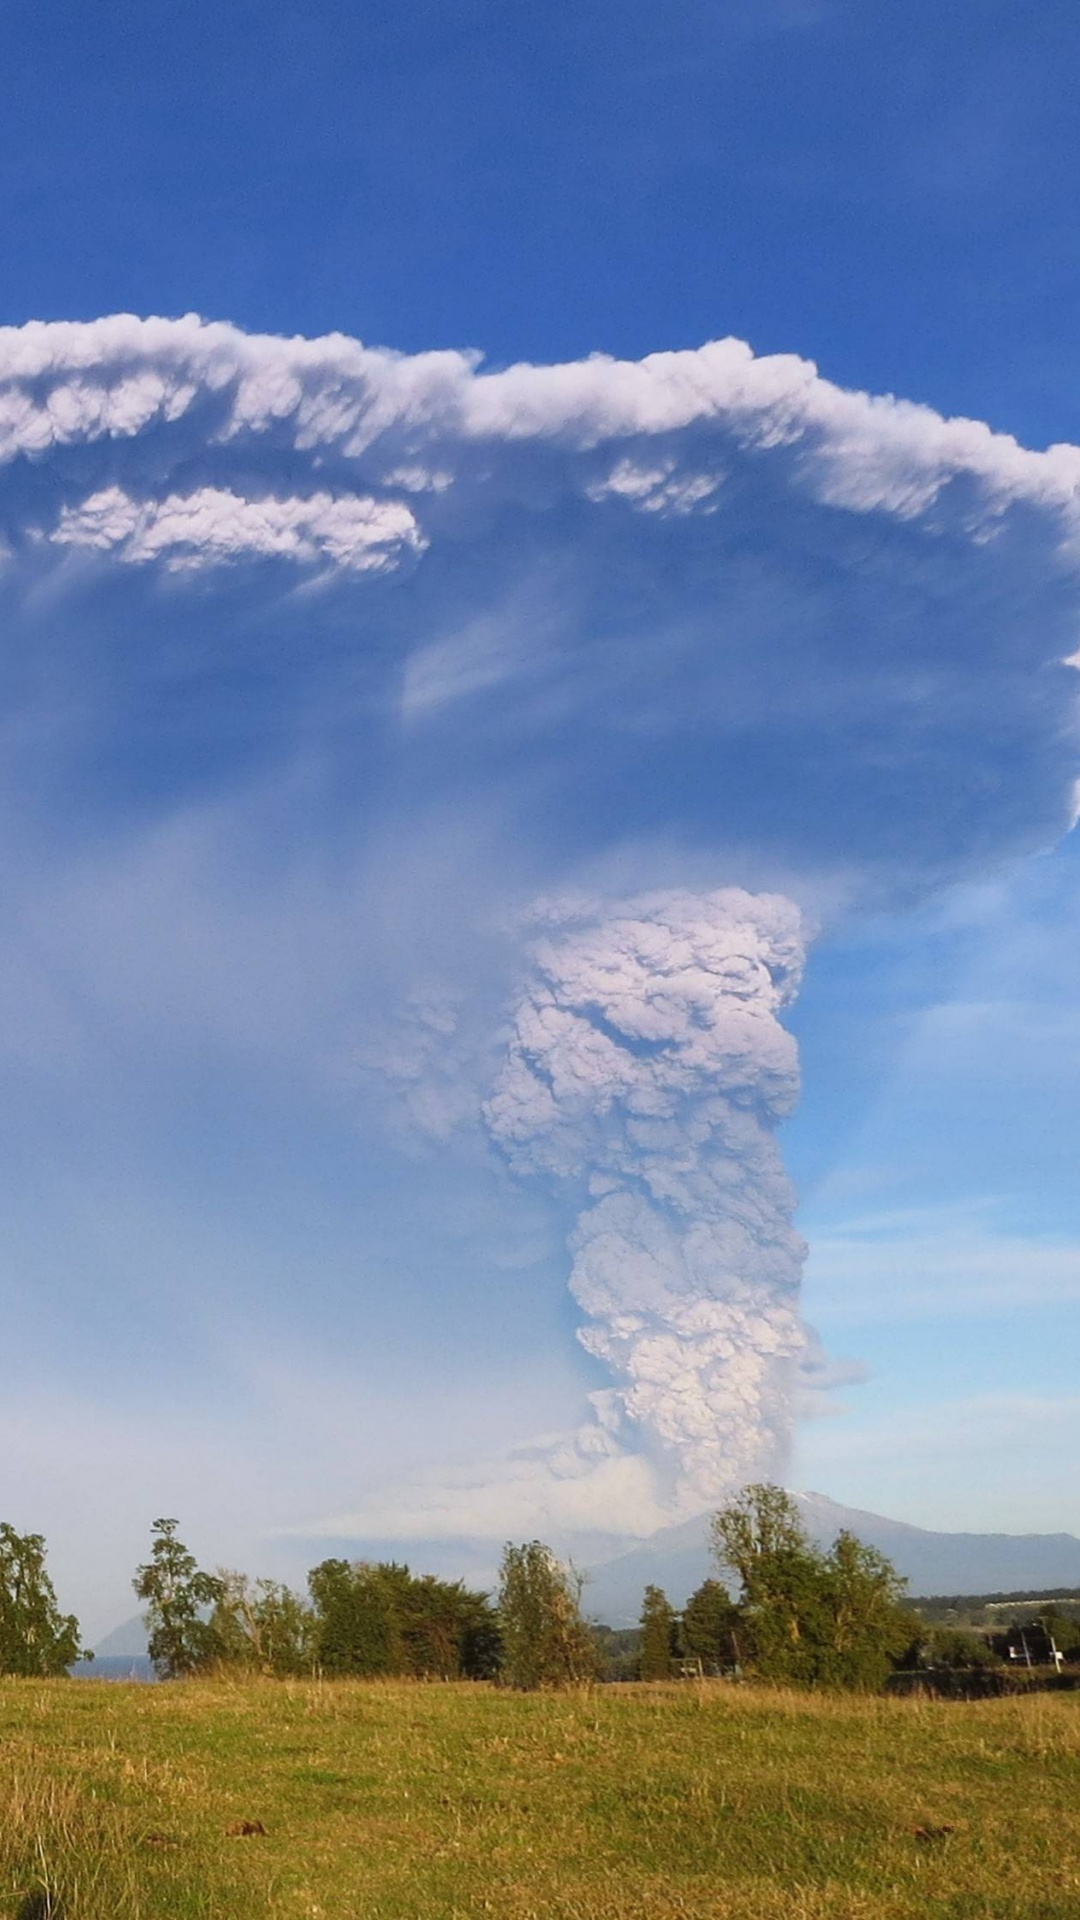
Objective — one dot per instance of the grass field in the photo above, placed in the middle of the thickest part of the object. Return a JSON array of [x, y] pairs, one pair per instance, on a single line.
[[407, 1802]]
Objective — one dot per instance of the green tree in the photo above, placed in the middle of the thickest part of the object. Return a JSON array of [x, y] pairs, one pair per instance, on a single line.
[[263, 1626], [448, 1632], [761, 1538], [356, 1626], [546, 1642], [382, 1619], [178, 1596], [35, 1637], [866, 1625], [618, 1651], [1063, 1628], [814, 1619], [710, 1625], [949, 1647], [659, 1640]]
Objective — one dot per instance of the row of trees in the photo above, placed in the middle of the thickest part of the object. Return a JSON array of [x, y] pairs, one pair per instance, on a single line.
[[807, 1617], [367, 1620], [358, 1619], [803, 1617]]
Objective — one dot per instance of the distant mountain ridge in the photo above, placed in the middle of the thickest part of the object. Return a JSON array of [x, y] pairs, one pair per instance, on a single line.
[[127, 1641], [678, 1559]]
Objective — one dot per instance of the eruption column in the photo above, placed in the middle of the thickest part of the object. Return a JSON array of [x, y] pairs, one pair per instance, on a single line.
[[648, 1069]]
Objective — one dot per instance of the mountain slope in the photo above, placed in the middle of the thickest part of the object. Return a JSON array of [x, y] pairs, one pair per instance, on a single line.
[[126, 1640], [678, 1559]]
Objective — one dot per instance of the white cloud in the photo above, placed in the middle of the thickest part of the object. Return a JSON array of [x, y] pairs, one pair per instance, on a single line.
[[697, 550], [559, 1488], [820, 625], [214, 525], [66, 384]]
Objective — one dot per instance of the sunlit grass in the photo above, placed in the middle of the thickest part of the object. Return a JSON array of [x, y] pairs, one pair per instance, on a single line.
[[407, 1802]]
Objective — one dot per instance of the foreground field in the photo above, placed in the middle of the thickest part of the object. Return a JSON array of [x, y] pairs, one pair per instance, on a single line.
[[412, 1802]]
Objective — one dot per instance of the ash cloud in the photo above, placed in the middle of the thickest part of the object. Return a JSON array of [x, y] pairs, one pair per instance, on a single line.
[[435, 641], [648, 1068], [703, 596]]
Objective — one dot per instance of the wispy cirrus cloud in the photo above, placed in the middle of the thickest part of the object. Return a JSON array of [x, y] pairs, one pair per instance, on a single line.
[[945, 1262]]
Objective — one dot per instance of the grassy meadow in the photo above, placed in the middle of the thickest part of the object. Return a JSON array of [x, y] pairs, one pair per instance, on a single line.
[[399, 1801]]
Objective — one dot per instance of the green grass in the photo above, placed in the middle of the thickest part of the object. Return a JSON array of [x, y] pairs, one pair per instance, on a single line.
[[414, 1802]]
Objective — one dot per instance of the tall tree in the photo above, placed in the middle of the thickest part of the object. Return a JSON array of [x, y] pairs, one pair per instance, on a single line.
[[546, 1642], [178, 1596], [759, 1535], [658, 1636], [263, 1626], [814, 1619], [866, 1622], [710, 1626], [35, 1637]]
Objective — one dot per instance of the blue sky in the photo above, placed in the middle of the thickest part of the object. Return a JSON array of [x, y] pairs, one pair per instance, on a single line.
[[242, 1283]]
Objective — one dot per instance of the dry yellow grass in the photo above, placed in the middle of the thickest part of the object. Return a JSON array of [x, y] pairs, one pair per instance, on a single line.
[[411, 1802]]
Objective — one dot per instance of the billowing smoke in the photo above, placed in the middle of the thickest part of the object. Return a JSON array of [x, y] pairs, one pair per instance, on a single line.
[[325, 659], [648, 1068]]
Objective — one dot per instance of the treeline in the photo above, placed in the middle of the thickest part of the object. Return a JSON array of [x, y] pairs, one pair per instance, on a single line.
[[366, 1621], [358, 1620], [808, 1617], [802, 1616]]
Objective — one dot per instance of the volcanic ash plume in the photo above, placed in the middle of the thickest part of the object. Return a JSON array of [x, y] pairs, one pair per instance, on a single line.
[[648, 1067]]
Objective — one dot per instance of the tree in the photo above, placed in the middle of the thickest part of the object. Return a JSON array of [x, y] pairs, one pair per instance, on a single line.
[[35, 1637], [952, 1648], [710, 1625], [813, 1618], [263, 1626], [618, 1651], [658, 1636], [448, 1631], [1063, 1629], [356, 1631], [382, 1619], [760, 1536], [546, 1642], [178, 1596], [867, 1627]]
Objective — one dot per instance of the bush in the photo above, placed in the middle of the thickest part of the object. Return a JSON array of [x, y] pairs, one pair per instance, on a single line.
[[381, 1619]]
